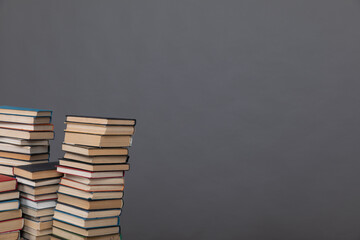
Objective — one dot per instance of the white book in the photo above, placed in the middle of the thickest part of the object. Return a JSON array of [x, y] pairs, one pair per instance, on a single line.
[[38, 183], [88, 174], [23, 142], [23, 149], [38, 205]]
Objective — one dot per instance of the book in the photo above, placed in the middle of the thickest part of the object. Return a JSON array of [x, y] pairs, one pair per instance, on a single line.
[[11, 225], [26, 134], [25, 157], [96, 159], [35, 232], [37, 225], [90, 204], [61, 234], [39, 219], [38, 171], [25, 111], [37, 212], [38, 205], [88, 213], [38, 190], [89, 195], [43, 234], [101, 120], [6, 170], [9, 195], [91, 188], [6, 215], [23, 142], [14, 162], [94, 151], [38, 183], [27, 127], [86, 232], [24, 119], [96, 181], [13, 235], [96, 140], [7, 183], [23, 149], [88, 174], [86, 222], [9, 205], [36, 198], [99, 129], [93, 167]]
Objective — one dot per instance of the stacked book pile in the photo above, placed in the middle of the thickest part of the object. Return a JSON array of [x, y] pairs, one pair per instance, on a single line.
[[38, 185], [91, 191], [24, 137], [10, 214]]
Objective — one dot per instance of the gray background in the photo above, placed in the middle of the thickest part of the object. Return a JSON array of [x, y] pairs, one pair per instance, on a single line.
[[248, 111]]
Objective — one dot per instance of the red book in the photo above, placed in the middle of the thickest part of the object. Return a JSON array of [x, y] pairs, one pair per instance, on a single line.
[[7, 183]]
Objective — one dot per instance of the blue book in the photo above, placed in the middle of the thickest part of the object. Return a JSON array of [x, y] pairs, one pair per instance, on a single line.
[[9, 205], [25, 111], [86, 223]]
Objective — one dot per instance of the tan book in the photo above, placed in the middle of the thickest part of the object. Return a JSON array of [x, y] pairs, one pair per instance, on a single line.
[[99, 129], [41, 197], [96, 181], [14, 235], [25, 157], [86, 232], [29, 236], [35, 232], [97, 140], [25, 111], [37, 225], [94, 151], [96, 159], [14, 163], [29, 135], [24, 119], [9, 205], [37, 212], [11, 225], [6, 170], [6, 215], [91, 188], [38, 190], [23, 142], [38, 171], [7, 183], [86, 223], [89, 195], [27, 127], [90, 204], [88, 174], [101, 120], [23, 149], [88, 213], [4, 196], [94, 168], [63, 234]]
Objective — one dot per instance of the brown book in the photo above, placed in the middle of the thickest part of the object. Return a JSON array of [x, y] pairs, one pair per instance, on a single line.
[[63, 234], [7, 183], [37, 225], [96, 159], [6, 215], [29, 135], [91, 188], [25, 111], [86, 232], [88, 174], [37, 232], [94, 168], [11, 225], [88, 213], [90, 204], [97, 181], [42, 197], [97, 140], [24, 119], [14, 162], [86, 223], [99, 129], [25, 157], [38, 190], [4, 196], [38, 171], [37, 212], [94, 151], [101, 120], [90, 195], [29, 236], [14, 235]]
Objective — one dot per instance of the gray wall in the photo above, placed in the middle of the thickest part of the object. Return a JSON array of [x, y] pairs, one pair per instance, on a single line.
[[248, 111]]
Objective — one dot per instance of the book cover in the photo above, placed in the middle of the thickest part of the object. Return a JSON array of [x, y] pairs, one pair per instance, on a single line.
[[25, 111]]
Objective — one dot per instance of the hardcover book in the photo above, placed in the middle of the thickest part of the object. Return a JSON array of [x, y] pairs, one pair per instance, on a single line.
[[25, 111], [9, 205], [87, 223], [88, 213], [101, 120], [61, 234], [94, 151], [89, 195], [88, 174], [26, 134], [86, 232], [11, 225], [23, 142], [7, 183], [38, 171], [91, 188], [99, 129], [90, 204], [97, 140], [94, 167]]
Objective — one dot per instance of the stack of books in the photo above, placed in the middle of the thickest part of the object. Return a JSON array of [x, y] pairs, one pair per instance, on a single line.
[[91, 191], [38, 185], [24, 137], [10, 214]]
